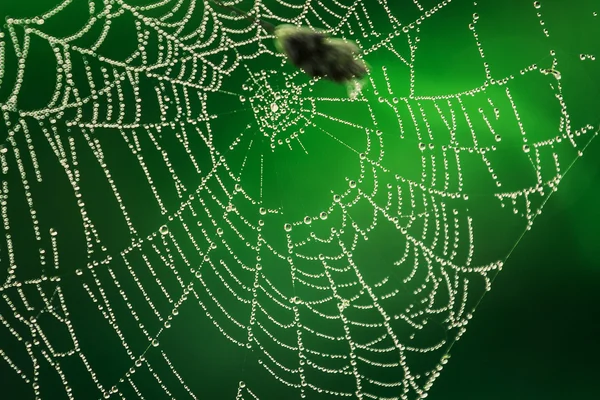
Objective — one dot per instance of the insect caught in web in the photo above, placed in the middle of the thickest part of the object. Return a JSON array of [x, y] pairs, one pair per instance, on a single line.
[[315, 53]]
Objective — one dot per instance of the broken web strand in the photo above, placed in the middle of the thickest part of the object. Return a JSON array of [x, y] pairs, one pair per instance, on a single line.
[[167, 233]]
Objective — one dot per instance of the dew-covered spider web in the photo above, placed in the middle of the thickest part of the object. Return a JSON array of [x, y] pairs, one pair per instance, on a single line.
[[187, 215]]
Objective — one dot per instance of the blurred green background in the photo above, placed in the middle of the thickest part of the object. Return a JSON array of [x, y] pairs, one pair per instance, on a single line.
[[534, 336]]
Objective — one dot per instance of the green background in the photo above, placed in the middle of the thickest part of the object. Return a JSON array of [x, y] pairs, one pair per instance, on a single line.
[[535, 335]]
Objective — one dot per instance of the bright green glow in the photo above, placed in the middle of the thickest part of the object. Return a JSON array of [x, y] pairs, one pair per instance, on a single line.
[[185, 212]]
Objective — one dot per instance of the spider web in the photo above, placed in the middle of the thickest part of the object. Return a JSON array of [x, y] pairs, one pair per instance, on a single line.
[[186, 215]]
